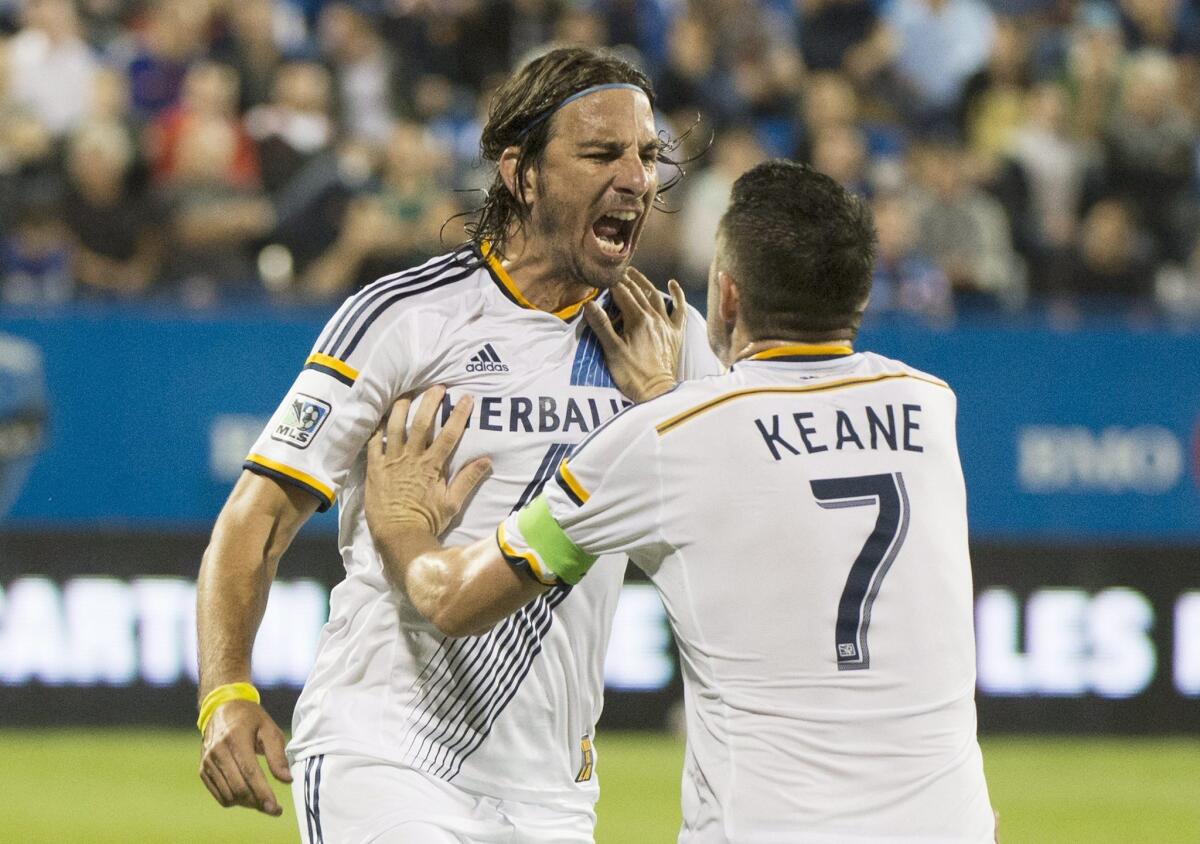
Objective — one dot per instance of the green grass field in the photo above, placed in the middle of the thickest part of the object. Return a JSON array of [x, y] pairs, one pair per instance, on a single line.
[[105, 786]]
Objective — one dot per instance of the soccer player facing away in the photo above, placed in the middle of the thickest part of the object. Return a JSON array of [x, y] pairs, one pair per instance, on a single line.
[[403, 733], [803, 517]]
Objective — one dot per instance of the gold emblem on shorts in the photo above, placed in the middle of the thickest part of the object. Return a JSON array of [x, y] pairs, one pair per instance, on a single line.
[[585, 770]]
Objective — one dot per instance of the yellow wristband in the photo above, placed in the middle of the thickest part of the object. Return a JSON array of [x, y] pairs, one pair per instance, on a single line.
[[224, 694]]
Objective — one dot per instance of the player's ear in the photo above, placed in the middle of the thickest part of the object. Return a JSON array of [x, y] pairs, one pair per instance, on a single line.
[[509, 160], [508, 168], [727, 298]]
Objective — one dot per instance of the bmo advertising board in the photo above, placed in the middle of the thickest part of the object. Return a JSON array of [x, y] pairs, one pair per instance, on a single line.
[[1081, 451]]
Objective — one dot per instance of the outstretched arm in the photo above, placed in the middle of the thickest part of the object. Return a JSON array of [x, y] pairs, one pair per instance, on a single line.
[[255, 527], [461, 590]]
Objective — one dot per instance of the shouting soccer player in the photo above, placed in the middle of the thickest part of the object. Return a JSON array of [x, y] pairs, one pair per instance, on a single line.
[[402, 733], [803, 518]]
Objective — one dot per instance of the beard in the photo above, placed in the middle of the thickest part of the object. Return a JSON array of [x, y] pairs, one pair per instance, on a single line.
[[553, 222]]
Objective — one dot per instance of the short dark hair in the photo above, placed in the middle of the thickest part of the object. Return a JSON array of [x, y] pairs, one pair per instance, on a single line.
[[521, 114], [801, 249]]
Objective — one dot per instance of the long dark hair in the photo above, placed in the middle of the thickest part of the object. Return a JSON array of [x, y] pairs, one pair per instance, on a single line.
[[521, 114]]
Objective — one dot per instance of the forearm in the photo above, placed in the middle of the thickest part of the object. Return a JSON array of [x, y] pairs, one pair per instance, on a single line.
[[461, 590], [251, 534], [231, 596]]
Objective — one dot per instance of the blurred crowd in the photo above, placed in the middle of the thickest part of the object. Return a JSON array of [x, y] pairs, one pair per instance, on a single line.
[[1016, 153]]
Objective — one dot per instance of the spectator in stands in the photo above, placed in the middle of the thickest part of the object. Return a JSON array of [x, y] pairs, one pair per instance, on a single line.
[[175, 34], [115, 227], [372, 86], [906, 279], [642, 24], [841, 153], [1172, 25], [830, 101], [693, 81], [579, 25], [250, 49], [397, 223], [1053, 164], [992, 109], [939, 45], [414, 192], [51, 69], [217, 223], [110, 97], [965, 230], [1113, 263], [464, 42], [766, 78], [27, 154], [450, 116], [35, 262], [295, 127], [706, 195], [209, 93], [301, 171], [833, 34], [994, 97], [1150, 150], [531, 27], [1057, 117], [1095, 54]]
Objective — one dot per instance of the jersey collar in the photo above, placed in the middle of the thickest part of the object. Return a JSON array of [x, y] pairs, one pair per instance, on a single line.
[[513, 293], [803, 353]]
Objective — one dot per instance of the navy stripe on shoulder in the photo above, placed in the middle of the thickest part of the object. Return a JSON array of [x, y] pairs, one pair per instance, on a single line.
[[335, 321], [404, 293], [370, 294], [354, 301], [323, 503]]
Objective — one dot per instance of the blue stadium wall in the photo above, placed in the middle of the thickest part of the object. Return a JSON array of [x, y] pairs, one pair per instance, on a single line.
[[122, 429]]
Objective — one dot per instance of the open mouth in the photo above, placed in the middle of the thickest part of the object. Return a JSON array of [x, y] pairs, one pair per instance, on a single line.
[[614, 232]]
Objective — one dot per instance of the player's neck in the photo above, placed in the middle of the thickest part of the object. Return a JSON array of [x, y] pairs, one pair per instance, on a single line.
[[747, 348], [541, 281]]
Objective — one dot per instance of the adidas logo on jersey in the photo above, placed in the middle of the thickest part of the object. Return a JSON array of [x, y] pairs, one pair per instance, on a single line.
[[486, 360]]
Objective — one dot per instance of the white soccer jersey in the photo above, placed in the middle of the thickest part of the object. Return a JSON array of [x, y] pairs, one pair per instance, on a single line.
[[510, 713], [804, 519]]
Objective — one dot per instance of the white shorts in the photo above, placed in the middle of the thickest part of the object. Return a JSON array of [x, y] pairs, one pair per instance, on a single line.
[[354, 800]]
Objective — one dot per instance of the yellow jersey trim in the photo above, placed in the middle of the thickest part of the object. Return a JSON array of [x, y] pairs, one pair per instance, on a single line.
[[573, 482], [679, 419], [515, 293], [802, 349], [295, 474], [530, 559], [334, 364]]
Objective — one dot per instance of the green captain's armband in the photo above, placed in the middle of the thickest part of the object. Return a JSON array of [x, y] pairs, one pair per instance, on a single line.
[[559, 554]]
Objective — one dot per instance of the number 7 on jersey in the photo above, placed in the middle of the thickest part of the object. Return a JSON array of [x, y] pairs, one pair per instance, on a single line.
[[873, 561]]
